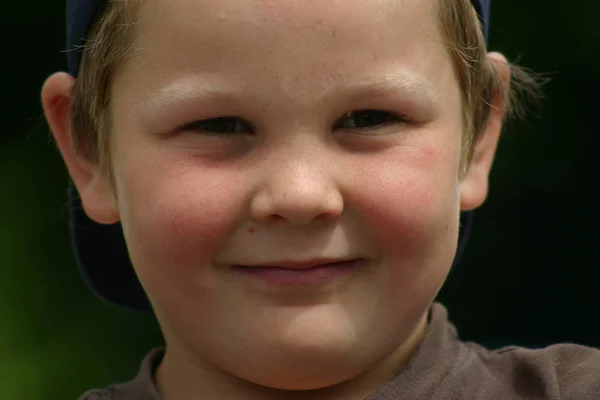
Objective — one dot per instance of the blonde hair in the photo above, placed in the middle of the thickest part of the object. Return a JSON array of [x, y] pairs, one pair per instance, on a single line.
[[111, 40]]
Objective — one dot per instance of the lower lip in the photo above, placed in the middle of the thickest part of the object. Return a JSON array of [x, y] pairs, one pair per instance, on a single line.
[[316, 276]]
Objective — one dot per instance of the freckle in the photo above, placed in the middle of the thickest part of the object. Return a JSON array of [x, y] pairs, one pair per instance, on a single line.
[[333, 32]]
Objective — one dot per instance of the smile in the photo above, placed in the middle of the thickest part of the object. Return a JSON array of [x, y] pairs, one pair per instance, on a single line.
[[313, 273]]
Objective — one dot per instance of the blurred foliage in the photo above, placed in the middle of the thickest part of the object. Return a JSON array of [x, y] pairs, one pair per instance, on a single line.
[[530, 273]]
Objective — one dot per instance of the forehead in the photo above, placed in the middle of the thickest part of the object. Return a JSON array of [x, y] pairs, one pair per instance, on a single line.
[[297, 12], [371, 14], [296, 42]]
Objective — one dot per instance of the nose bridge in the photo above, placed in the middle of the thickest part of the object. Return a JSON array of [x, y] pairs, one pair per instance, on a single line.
[[300, 157], [299, 175], [298, 184]]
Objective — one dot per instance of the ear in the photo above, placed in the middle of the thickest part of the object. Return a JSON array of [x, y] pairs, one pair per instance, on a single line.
[[474, 185], [94, 190]]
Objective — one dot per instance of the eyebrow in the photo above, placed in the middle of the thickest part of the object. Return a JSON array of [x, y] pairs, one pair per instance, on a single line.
[[189, 90], [181, 92], [401, 81]]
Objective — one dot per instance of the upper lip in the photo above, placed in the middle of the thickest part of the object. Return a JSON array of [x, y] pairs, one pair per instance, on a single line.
[[299, 264]]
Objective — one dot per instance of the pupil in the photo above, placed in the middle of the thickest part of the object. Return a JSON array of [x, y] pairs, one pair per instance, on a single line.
[[369, 118], [220, 125]]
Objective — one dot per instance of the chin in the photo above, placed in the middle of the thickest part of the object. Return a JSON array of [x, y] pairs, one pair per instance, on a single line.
[[304, 368], [314, 378]]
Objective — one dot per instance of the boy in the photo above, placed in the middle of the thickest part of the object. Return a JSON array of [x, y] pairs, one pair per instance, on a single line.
[[288, 178]]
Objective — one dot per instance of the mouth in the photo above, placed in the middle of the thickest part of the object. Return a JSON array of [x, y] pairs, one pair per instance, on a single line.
[[303, 264], [300, 273]]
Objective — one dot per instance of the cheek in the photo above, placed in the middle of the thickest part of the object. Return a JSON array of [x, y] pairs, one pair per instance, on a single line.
[[175, 220], [409, 201]]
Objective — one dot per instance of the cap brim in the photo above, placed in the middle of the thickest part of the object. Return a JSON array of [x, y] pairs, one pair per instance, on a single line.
[[103, 259]]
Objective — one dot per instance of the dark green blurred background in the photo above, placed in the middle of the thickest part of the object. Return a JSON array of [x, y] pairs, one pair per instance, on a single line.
[[531, 273]]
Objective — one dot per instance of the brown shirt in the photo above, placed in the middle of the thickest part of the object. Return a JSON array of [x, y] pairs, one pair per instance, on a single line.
[[445, 368]]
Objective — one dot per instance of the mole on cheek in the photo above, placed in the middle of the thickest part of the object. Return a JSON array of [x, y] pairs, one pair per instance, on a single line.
[[251, 230]]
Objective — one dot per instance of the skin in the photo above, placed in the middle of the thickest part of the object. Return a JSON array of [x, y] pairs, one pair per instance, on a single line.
[[300, 183]]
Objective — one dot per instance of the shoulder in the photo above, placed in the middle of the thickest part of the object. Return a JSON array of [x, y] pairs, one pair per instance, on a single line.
[[132, 390], [141, 387], [562, 371], [97, 394], [456, 369], [559, 360], [122, 391]]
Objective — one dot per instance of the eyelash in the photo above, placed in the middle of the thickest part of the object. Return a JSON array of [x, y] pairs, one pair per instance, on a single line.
[[389, 119]]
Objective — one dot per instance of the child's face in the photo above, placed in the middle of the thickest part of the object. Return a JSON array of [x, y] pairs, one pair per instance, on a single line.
[[298, 183]]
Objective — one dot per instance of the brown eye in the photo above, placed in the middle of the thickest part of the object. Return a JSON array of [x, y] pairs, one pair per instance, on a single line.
[[221, 126], [368, 119]]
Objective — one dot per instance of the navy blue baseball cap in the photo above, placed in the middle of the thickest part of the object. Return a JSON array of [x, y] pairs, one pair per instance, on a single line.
[[100, 250]]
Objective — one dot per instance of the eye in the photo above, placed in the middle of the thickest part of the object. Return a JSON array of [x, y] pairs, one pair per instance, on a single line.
[[220, 126], [369, 119]]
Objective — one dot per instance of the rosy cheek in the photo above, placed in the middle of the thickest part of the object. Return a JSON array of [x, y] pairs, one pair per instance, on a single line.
[[409, 202], [179, 220], [401, 209]]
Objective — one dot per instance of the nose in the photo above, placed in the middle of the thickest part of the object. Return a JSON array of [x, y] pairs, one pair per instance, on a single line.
[[296, 191]]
